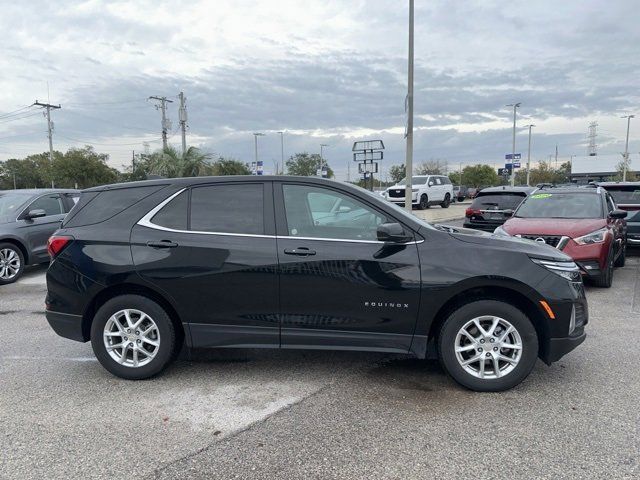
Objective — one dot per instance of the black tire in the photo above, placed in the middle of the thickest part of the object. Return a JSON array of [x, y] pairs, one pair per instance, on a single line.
[[605, 279], [14, 252], [460, 199], [167, 348], [622, 258], [447, 344], [447, 201], [423, 203]]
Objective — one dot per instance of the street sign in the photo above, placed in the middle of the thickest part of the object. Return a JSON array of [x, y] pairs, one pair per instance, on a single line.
[[368, 167], [368, 156], [512, 165], [513, 156]]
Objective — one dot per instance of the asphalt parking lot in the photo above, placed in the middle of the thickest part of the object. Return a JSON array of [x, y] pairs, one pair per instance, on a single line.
[[289, 414]]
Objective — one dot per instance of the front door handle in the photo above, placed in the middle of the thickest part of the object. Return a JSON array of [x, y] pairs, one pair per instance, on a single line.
[[162, 244], [300, 251]]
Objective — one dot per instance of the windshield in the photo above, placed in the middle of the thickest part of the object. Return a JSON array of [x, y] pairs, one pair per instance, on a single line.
[[561, 205], [625, 194], [414, 181], [500, 201], [11, 201]]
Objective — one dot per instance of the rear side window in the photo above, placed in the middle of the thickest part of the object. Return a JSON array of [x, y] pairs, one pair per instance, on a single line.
[[499, 201], [101, 206], [174, 214], [236, 208]]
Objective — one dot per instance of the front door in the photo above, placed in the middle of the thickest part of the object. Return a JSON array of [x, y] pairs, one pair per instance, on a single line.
[[38, 230], [212, 250], [339, 286]]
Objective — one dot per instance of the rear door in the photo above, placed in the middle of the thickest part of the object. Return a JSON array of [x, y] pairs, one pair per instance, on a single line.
[[339, 286], [36, 231], [212, 248]]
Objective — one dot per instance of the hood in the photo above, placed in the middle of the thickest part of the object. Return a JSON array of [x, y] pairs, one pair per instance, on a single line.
[[528, 247], [6, 219], [553, 226]]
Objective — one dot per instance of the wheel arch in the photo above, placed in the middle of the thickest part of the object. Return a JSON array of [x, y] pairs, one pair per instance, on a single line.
[[131, 289], [20, 245], [502, 293]]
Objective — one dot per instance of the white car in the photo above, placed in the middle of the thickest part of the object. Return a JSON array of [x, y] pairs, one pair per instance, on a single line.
[[426, 190]]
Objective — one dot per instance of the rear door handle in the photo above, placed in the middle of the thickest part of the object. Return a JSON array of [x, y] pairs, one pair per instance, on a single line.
[[162, 244], [300, 251]]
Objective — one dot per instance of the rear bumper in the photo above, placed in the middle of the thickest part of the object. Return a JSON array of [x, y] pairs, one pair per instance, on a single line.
[[484, 226], [66, 325]]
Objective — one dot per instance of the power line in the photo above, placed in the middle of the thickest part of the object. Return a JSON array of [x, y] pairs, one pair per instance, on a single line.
[[15, 112], [15, 119]]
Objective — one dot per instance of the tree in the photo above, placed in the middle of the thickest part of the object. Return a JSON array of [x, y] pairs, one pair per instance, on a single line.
[[544, 173], [479, 176], [230, 166], [306, 165], [432, 167], [82, 167], [398, 172], [631, 176], [170, 163]]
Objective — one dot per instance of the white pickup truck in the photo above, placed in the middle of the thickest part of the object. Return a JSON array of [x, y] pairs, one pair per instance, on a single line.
[[426, 190]]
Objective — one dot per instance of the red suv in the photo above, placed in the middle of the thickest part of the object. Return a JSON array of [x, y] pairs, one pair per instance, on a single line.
[[582, 222]]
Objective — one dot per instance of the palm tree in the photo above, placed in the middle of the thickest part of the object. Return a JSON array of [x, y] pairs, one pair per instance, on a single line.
[[171, 164]]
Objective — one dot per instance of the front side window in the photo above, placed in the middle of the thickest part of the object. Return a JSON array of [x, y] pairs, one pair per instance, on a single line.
[[561, 205], [51, 204], [237, 208], [317, 212]]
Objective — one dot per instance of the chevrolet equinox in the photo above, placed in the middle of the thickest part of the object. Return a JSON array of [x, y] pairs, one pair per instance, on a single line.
[[295, 262]]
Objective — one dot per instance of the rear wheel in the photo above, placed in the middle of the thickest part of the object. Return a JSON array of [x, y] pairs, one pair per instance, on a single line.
[[488, 346], [446, 202], [606, 277], [424, 202], [11, 263], [133, 337]]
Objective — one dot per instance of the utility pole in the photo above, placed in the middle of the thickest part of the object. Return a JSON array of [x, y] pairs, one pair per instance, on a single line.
[[48, 106], [513, 149], [626, 149], [571, 167], [281, 153], [408, 164], [556, 156], [255, 138], [165, 122], [322, 145], [182, 118], [529, 156]]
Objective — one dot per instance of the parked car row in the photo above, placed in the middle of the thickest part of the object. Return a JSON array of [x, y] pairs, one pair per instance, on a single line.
[[591, 224]]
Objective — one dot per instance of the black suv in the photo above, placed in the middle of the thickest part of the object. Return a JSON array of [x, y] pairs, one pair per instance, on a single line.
[[294, 262], [27, 219], [493, 206]]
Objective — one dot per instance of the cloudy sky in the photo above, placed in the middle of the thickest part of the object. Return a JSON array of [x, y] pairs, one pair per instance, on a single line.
[[330, 71]]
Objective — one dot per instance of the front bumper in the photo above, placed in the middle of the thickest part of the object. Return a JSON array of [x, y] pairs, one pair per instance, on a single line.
[[559, 347]]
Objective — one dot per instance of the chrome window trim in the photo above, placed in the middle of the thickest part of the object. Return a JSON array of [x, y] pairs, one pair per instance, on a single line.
[[146, 222]]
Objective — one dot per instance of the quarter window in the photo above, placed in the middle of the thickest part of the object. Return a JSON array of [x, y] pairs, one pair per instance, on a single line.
[[51, 204], [318, 212], [237, 208], [174, 214]]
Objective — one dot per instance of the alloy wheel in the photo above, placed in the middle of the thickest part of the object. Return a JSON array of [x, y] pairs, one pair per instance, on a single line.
[[9, 264], [488, 347], [131, 338]]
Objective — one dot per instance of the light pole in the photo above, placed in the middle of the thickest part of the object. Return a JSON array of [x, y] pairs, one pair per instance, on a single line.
[[255, 138], [322, 145], [281, 152], [626, 148], [513, 149], [529, 154], [571, 167], [409, 107]]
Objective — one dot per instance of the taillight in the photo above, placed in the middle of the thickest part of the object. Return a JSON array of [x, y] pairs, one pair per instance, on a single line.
[[57, 243], [470, 212]]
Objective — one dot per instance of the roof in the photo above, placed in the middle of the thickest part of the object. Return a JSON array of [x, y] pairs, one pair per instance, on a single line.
[[562, 189], [507, 189], [39, 191], [618, 184]]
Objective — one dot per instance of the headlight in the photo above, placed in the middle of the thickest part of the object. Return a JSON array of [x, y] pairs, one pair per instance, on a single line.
[[590, 238], [568, 270], [501, 232]]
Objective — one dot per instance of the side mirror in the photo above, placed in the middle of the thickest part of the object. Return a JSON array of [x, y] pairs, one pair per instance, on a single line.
[[508, 213], [618, 214], [392, 233], [37, 213], [344, 209]]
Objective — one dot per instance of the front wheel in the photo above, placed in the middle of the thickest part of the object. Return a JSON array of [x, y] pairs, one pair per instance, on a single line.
[[605, 279], [424, 202], [488, 346], [133, 337], [11, 263], [446, 202], [622, 258]]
